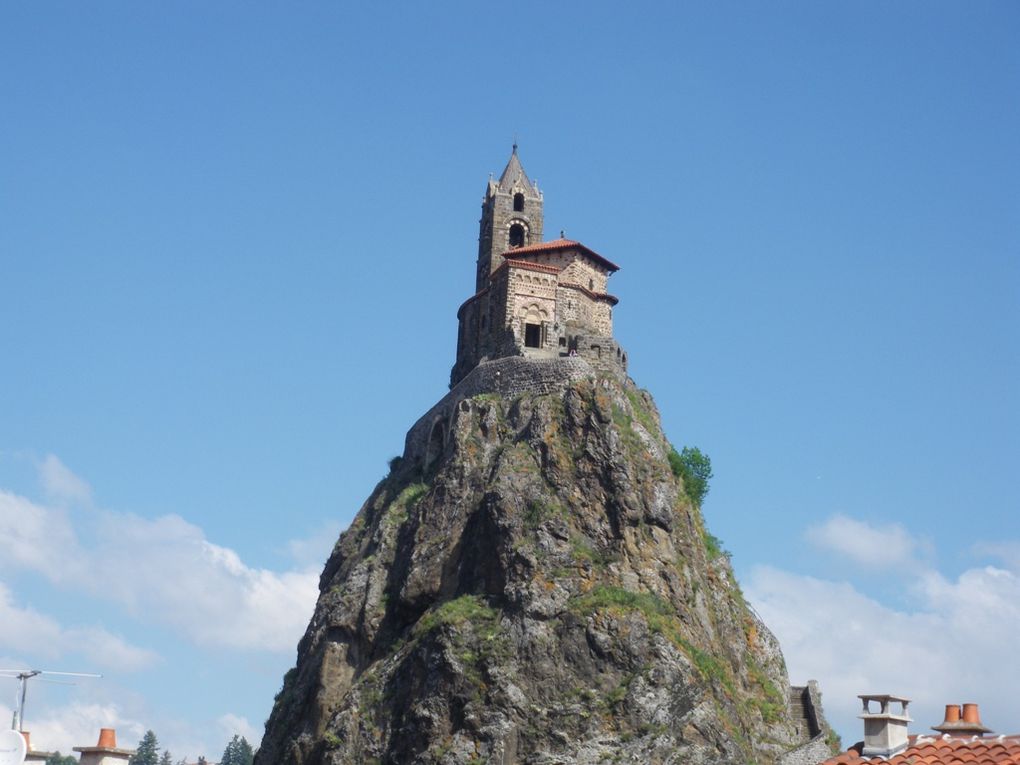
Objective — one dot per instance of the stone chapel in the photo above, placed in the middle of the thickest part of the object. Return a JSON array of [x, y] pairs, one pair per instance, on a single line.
[[532, 298]]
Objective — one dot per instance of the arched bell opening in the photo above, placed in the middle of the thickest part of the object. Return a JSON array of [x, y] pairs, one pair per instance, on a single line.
[[517, 235]]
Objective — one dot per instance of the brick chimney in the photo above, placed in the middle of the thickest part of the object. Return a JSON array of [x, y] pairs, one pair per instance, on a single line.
[[105, 752], [885, 733], [966, 724]]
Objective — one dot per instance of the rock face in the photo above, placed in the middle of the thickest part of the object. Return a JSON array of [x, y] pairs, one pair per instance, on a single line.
[[544, 592]]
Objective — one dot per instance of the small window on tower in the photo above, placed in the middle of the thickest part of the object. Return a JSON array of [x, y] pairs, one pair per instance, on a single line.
[[518, 202], [517, 235]]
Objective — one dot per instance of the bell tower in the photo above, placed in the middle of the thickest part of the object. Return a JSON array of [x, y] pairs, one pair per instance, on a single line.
[[511, 217]]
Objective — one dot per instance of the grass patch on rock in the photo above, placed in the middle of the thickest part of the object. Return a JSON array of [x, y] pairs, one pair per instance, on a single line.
[[465, 609]]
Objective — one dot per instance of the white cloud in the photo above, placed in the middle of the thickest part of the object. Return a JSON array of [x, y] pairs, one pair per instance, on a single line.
[[60, 484], [162, 570], [25, 630], [165, 570], [231, 725], [1006, 552], [313, 550], [104, 649], [954, 644], [35, 537], [886, 546]]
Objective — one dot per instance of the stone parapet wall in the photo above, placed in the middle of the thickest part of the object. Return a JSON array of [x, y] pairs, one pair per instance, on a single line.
[[813, 752], [508, 377], [603, 353]]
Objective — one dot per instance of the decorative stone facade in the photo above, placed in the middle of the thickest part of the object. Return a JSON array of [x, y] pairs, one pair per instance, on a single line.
[[532, 298]]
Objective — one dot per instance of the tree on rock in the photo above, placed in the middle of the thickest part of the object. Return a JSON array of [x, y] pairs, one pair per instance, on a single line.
[[238, 752], [147, 752], [694, 468]]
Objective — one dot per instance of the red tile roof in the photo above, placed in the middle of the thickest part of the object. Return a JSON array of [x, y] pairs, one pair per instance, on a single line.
[[943, 750], [558, 245]]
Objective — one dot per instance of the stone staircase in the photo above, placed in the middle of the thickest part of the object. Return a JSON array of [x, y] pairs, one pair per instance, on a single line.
[[800, 713], [805, 704]]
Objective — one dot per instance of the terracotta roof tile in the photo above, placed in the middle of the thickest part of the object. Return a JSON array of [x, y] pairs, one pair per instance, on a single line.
[[557, 245], [944, 750]]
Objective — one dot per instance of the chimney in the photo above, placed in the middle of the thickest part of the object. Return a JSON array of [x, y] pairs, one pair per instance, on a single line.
[[967, 724], [105, 752], [107, 738], [885, 733]]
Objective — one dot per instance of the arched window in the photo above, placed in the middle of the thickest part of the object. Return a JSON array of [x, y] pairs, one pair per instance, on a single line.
[[518, 202], [517, 235]]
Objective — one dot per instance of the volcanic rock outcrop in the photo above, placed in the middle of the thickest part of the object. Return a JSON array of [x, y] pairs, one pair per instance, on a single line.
[[540, 589], [532, 583]]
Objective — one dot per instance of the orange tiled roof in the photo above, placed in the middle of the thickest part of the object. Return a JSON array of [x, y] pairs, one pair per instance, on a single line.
[[943, 750], [556, 245]]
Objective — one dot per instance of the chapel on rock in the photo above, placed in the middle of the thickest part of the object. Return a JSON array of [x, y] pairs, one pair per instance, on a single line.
[[532, 298]]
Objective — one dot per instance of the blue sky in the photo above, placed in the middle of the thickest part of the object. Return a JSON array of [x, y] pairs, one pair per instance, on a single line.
[[233, 238]]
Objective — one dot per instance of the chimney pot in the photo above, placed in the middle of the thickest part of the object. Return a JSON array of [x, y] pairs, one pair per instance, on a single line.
[[107, 738], [970, 714], [967, 723]]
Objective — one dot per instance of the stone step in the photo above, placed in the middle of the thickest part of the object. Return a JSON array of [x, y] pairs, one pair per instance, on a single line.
[[799, 713]]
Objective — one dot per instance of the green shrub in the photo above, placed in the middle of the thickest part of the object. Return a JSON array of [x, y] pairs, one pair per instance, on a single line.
[[713, 546], [410, 495], [332, 740], [694, 468]]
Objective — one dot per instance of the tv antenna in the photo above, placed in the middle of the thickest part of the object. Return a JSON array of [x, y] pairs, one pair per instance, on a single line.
[[23, 676]]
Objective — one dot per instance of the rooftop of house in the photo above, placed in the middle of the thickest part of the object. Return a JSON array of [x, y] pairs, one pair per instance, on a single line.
[[959, 738], [943, 749]]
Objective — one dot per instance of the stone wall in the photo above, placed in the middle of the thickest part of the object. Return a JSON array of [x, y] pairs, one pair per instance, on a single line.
[[603, 353], [506, 376], [813, 752]]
